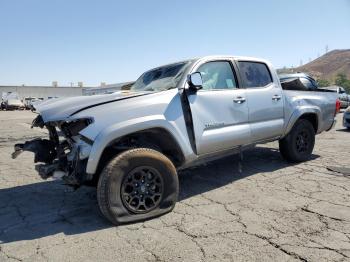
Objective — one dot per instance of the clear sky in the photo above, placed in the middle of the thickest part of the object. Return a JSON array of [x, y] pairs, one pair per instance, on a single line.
[[113, 41]]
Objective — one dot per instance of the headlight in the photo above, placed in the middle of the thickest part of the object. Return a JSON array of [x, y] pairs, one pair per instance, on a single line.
[[73, 127]]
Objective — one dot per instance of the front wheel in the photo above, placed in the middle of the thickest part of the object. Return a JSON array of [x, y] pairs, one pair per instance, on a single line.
[[136, 185], [298, 145]]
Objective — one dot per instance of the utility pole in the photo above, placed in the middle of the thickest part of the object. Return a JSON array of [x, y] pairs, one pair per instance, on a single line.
[[301, 62], [326, 49]]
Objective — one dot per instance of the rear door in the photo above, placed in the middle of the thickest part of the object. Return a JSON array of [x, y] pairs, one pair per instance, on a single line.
[[265, 100], [219, 110]]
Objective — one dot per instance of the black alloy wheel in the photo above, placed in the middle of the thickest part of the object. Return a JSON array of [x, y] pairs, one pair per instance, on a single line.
[[142, 189]]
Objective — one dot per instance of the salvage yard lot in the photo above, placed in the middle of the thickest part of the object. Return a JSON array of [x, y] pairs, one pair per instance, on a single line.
[[273, 211]]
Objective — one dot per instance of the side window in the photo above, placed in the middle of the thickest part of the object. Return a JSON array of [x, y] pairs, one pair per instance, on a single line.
[[254, 74], [217, 75]]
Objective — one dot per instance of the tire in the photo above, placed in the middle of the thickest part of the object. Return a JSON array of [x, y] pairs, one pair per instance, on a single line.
[[157, 186], [298, 145]]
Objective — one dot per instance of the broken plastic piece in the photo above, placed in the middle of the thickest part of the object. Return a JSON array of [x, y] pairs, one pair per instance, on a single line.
[[45, 171], [43, 149]]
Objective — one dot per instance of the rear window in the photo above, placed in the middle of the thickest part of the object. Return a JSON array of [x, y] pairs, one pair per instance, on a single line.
[[254, 74]]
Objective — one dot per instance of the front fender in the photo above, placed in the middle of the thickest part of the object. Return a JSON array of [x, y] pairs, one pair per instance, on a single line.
[[113, 132], [297, 113]]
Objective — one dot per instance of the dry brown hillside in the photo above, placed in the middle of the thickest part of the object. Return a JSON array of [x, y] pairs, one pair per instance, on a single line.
[[329, 65]]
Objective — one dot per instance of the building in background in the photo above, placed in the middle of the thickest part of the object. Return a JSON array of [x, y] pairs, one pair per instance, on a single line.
[[56, 91]]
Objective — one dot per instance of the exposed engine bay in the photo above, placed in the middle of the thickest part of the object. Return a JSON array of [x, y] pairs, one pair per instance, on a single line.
[[64, 155]]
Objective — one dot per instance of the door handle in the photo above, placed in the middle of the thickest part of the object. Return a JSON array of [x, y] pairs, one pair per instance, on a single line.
[[239, 100], [276, 97]]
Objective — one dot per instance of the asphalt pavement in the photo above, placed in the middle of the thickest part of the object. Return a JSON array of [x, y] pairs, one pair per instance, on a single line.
[[272, 211]]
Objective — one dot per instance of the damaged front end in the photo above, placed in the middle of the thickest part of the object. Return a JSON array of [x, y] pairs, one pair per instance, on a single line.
[[64, 155]]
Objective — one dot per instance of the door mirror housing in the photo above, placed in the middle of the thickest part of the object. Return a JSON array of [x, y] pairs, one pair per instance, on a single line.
[[195, 81]]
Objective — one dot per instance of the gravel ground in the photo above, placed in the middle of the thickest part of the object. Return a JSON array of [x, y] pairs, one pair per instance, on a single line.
[[273, 211]]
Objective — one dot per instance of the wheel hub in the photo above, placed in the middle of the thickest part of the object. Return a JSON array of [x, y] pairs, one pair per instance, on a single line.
[[142, 189], [302, 142]]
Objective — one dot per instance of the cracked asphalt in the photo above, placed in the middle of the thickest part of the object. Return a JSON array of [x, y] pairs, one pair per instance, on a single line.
[[272, 211]]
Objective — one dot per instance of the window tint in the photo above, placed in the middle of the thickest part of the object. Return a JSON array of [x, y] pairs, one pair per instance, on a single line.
[[217, 75], [254, 74]]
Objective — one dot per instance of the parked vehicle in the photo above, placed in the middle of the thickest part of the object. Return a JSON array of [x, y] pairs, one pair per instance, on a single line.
[[342, 95], [14, 104], [11, 101], [131, 143], [35, 102], [346, 118], [28, 102]]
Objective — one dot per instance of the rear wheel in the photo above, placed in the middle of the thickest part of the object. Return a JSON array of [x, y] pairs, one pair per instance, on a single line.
[[298, 145], [136, 185]]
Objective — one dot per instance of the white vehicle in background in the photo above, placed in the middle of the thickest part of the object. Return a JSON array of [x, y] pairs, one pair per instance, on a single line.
[[130, 144], [35, 102], [11, 101]]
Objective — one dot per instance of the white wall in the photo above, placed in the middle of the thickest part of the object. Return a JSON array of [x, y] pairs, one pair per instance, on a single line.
[[43, 91]]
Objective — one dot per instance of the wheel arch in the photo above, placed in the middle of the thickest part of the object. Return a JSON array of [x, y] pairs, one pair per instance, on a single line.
[[154, 134], [311, 114], [312, 118]]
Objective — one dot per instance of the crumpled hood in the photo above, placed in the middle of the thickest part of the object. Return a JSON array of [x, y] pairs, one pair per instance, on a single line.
[[62, 108]]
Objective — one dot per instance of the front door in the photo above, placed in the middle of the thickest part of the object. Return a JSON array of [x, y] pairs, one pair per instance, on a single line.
[[219, 110]]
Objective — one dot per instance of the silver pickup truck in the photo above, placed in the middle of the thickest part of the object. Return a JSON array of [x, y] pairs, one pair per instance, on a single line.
[[131, 143]]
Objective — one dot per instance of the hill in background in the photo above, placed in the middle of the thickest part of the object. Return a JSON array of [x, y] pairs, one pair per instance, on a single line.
[[327, 66]]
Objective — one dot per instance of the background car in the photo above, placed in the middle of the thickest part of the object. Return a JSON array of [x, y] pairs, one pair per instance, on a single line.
[[13, 104], [342, 95]]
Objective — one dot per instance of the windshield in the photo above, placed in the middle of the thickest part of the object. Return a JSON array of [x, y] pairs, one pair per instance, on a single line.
[[161, 78]]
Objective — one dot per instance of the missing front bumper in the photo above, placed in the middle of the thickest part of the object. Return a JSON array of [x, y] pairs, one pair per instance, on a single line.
[[66, 166]]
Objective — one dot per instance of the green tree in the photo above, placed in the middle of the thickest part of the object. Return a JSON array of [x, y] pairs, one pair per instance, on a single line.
[[341, 80], [323, 83]]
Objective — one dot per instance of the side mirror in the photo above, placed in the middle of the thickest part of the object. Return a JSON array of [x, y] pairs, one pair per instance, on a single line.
[[195, 81]]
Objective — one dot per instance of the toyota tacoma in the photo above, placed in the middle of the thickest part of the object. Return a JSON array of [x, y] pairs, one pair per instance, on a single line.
[[130, 144]]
